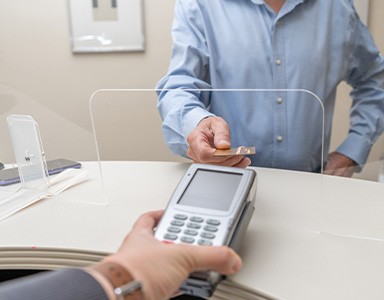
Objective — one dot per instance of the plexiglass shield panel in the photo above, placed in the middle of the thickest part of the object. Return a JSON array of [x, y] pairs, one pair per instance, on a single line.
[[60, 144], [353, 207], [128, 127]]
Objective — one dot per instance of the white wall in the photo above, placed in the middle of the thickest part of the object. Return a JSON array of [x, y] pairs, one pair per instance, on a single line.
[[40, 76]]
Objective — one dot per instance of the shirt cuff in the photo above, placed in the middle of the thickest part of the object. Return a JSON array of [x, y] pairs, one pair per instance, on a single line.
[[356, 147], [193, 118]]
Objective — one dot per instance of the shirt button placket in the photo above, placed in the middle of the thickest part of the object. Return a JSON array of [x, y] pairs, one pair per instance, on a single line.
[[279, 83]]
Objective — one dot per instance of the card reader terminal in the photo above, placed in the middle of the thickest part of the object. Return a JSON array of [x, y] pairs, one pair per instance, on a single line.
[[211, 206]]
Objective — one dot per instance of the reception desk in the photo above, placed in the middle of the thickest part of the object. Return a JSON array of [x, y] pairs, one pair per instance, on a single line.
[[290, 251]]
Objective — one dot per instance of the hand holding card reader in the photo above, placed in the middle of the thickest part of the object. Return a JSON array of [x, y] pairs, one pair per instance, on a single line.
[[212, 205]]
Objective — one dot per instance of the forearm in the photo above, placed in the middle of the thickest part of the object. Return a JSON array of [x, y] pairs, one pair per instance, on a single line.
[[366, 75], [367, 113], [182, 104], [184, 92]]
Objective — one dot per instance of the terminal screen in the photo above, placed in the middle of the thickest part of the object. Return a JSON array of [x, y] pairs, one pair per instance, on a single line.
[[211, 189]]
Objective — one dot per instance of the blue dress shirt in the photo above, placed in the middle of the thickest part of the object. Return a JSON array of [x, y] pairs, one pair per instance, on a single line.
[[309, 45]]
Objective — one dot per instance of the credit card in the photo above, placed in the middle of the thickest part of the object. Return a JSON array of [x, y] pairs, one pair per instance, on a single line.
[[242, 150]]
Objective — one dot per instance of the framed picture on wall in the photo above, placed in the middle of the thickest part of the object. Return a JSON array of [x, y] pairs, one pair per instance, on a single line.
[[106, 25]]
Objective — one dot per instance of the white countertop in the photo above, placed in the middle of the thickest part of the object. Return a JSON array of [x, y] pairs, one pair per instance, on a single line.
[[301, 243]]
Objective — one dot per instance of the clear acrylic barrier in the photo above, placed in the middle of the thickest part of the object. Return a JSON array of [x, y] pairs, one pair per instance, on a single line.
[[62, 137], [354, 208], [66, 132], [127, 126]]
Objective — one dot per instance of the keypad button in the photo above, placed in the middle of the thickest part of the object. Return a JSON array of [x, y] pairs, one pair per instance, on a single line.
[[204, 242], [180, 217], [196, 219], [210, 228], [213, 222], [170, 236], [177, 223], [207, 235], [187, 239], [193, 226], [190, 232], [174, 229]]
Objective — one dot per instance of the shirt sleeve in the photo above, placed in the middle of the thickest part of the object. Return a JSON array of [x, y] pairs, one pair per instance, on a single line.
[[64, 284], [366, 76], [183, 94]]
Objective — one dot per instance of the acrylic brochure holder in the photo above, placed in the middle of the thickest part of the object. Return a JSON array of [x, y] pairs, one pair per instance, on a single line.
[[34, 183]]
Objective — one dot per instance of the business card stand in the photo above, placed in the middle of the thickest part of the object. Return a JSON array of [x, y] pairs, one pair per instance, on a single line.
[[31, 164], [29, 152]]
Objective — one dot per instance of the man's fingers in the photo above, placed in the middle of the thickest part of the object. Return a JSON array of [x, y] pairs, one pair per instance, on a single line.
[[207, 157], [219, 129], [222, 141], [244, 162], [213, 133], [221, 133], [200, 148], [339, 165]]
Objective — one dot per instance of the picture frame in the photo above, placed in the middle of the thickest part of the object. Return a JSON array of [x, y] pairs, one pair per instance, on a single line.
[[106, 25]]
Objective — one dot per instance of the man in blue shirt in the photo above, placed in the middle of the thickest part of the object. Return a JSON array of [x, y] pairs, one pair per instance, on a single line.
[[293, 50]]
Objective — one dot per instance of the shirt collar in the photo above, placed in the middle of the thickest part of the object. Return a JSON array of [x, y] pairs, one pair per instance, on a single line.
[[294, 2], [289, 6]]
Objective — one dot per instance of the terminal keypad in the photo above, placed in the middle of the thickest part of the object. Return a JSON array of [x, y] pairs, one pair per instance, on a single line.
[[192, 230]]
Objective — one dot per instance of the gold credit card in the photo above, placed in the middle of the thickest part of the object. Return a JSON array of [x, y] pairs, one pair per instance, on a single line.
[[242, 150]]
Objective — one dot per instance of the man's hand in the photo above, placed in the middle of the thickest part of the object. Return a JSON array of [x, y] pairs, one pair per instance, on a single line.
[[339, 165], [210, 134], [162, 268]]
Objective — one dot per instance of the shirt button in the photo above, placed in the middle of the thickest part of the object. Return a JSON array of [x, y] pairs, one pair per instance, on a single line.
[[280, 138], [278, 61], [280, 100]]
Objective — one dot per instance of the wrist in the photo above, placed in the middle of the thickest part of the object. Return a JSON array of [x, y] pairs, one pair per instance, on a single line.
[[116, 281]]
